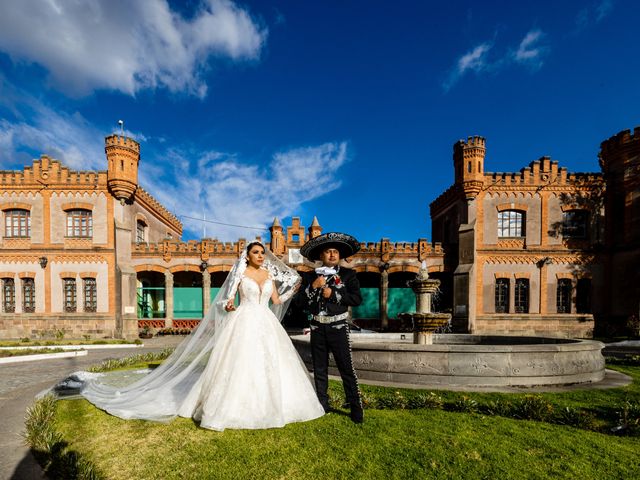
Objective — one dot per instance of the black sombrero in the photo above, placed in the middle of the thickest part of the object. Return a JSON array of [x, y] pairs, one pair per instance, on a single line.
[[345, 244]]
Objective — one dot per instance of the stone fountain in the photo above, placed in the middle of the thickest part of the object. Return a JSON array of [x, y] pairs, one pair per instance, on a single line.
[[425, 322], [465, 361]]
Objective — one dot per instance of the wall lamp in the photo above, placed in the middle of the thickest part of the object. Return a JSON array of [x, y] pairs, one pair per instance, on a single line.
[[43, 262], [204, 266], [385, 266], [544, 261]]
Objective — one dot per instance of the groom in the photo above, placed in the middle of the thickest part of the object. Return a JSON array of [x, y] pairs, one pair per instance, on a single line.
[[326, 294]]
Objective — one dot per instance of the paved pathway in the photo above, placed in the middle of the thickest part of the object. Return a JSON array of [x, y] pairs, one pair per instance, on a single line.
[[20, 382]]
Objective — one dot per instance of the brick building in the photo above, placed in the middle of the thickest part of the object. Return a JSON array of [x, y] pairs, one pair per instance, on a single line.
[[93, 253], [540, 251]]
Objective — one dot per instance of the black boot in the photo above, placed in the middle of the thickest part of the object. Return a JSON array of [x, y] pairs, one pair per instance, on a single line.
[[357, 413]]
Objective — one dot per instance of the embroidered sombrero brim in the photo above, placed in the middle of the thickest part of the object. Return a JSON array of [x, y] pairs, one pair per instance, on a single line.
[[345, 244]]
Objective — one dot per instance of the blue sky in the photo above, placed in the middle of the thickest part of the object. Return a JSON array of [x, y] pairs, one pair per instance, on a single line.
[[344, 110]]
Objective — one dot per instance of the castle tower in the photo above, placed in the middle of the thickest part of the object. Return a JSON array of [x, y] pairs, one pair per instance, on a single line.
[[620, 162], [468, 162], [315, 229], [277, 238], [123, 156]]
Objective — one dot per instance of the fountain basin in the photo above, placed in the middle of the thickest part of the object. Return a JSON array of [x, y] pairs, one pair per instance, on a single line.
[[470, 360]]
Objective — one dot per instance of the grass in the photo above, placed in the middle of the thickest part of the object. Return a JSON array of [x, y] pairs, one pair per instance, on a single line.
[[37, 351], [25, 342], [397, 440]]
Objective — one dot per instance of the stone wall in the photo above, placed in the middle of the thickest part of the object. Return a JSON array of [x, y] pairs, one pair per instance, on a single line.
[[565, 326]]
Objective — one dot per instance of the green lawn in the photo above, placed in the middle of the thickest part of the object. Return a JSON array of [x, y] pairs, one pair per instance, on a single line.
[[461, 435], [36, 351], [45, 343], [390, 444]]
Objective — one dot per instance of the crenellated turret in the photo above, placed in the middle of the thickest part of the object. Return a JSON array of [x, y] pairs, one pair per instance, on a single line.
[[123, 156], [468, 162], [315, 229], [277, 238]]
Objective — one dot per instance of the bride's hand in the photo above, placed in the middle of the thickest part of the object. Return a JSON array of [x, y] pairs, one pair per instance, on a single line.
[[230, 307]]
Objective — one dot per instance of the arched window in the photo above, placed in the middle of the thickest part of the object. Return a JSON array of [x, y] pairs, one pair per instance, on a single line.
[[79, 223], [90, 295], [69, 285], [8, 295], [511, 223], [140, 231], [575, 224], [522, 295], [28, 295], [563, 295], [17, 223], [502, 295]]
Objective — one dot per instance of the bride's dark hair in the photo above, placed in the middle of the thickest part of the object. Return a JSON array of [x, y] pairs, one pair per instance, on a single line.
[[253, 244]]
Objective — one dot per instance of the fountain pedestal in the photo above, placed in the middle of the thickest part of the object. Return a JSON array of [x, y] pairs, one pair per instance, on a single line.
[[425, 322]]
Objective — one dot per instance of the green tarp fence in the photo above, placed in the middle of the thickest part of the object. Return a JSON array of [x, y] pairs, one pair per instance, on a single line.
[[399, 300]]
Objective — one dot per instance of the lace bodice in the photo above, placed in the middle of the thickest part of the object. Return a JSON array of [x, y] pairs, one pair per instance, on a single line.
[[252, 292]]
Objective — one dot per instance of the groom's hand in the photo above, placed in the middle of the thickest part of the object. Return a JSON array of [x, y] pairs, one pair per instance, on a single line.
[[326, 292], [319, 282]]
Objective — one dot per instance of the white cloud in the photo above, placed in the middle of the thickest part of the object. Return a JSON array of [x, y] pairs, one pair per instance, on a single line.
[[593, 13], [530, 51], [127, 46], [227, 190], [475, 60], [63, 136]]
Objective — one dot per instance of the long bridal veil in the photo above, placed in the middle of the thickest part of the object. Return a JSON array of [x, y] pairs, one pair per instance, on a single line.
[[159, 394]]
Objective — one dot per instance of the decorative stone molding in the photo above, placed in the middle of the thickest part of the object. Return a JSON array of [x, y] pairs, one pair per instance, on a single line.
[[77, 206], [27, 275], [150, 268], [15, 206], [68, 274], [512, 243], [512, 206], [7, 274], [522, 275], [564, 275], [88, 274], [185, 268]]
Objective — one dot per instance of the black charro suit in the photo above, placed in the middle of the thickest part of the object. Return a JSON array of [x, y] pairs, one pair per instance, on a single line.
[[332, 336]]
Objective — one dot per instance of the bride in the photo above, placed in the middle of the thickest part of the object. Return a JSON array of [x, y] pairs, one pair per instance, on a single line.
[[238, 369]]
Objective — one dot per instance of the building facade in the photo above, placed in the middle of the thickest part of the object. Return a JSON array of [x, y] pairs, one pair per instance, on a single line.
[[93, 254], [65, 249], [540, 251]]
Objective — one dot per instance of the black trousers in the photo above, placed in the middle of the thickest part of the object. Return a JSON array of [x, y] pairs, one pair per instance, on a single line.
[[333, 338]]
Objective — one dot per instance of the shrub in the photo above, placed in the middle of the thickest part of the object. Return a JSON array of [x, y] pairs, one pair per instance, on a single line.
[[575, 417], [425, 400], [464, 404], [533, 407], [503, 408], [392, 401], [628, 418]]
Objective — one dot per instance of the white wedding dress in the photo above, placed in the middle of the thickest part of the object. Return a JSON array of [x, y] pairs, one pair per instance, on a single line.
[[254, 377], [235, 370]]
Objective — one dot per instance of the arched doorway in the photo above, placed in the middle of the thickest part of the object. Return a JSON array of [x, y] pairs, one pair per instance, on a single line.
[[150, 295], [368, 312], [187, 295], [401, 297]]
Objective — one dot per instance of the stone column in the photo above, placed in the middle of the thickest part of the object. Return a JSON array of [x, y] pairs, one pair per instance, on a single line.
[[206, 291], [168, 299], [383, 296]]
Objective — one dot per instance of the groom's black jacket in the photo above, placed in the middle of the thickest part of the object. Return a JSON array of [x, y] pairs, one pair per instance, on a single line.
[[345, 292]]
